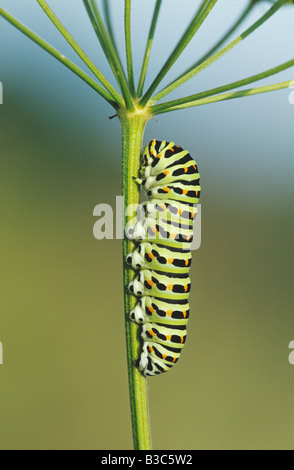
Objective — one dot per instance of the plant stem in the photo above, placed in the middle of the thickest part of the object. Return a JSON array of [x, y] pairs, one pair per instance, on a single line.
[[133, 126], [181, 46], [80, 52], [59, 56], [215, 91], [111, 54], [107, 15], [230, 96], [129, 54], [98, 31], [220, 53], [229, 33], [148, 48]]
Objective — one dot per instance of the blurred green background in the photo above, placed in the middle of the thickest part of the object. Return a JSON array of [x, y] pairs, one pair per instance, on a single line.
[[64, 378]]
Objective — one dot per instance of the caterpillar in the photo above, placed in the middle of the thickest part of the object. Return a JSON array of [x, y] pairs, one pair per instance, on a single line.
[[162, 255]]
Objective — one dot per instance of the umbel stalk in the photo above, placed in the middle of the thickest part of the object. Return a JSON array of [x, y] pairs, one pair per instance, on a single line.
[[133, 126]]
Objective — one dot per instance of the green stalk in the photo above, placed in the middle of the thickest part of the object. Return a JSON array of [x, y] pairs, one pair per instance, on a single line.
[[230, 96], [112, 53], [128, 41], [107, 15], [160, 108], [229, 33], [133, 126], [116, 96], [59, 56], [98, 32], [219, 54], [148, 48], [181, 46]]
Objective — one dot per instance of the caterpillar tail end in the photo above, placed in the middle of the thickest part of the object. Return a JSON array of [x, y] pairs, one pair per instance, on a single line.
[[147, 367]]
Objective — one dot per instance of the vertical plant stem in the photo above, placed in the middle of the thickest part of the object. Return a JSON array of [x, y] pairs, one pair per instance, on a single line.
[[129, 47], [111, 54], [98, 32], [133, 126], [107, 15], [148, 48]]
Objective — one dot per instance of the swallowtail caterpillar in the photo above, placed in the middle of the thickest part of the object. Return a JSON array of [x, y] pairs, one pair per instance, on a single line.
[[162, 257]]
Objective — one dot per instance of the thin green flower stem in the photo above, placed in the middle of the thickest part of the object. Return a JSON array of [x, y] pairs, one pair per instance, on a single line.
[[133, 126], [215, 91], [128, 41], [115, 60], [230, 96], [148, 48], [183, 43], [219, 54], [59, 56], [98, 31], [202, 6], [106, 11], [80, 52], [118, 68], [229, 33]]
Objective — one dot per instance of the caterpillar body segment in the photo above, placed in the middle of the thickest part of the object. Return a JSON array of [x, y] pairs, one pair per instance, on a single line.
[[161, 232], [188, 175], [176, 191], [173, 211], [168, 356], [168, 336], [166, 311], [162, 285], [162, 257], [165, 259]]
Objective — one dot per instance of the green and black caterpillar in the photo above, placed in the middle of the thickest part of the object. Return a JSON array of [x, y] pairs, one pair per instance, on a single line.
[[162, 257]]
